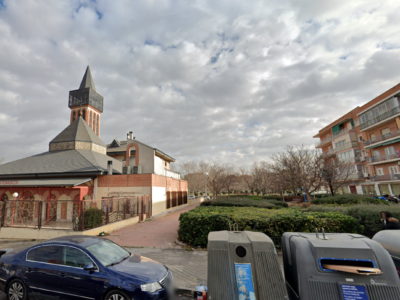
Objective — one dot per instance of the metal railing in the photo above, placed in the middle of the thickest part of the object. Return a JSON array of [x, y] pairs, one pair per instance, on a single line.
[[381, 138], [385, 177], [375, 159], [345, 146], [71, 214], [380, 118], [334, 136]]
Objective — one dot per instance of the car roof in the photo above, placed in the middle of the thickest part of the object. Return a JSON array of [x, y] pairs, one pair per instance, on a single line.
[[74, 240]]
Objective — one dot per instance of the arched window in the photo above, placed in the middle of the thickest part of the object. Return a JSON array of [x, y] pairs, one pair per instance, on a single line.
[[94, 118], [73, 116], [84, 114], [97, 126], [90, 119]]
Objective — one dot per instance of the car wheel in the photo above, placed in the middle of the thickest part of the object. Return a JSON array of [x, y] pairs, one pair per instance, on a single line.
[[16, 290], [116, 295]]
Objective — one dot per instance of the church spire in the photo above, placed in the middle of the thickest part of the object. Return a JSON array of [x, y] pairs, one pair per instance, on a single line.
[[87, 80]]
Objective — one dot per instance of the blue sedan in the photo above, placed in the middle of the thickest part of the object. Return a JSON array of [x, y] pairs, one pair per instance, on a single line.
[[82, 267]]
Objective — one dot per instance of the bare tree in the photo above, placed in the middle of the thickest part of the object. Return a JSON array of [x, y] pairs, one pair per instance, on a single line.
[[300, 167], [231, 178], [336, 173], [248, 179], [216, 177], [261, 174]]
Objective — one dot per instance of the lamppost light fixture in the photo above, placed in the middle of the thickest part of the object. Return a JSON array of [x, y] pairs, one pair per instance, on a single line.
[[205, 173], [15, 195]]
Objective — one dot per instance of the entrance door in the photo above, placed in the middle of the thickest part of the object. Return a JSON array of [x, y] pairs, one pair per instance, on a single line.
[[353, 189]]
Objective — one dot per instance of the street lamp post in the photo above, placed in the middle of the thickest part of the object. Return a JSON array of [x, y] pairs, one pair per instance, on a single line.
[[205, 173]]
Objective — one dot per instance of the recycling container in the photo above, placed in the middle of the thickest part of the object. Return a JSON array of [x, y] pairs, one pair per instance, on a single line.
[[338, 267], [390, 240], [243, 265]]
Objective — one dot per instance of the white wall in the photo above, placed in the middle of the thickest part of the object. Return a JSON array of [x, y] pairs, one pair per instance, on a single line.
[[146, 159], [159, 166], [159, 199]]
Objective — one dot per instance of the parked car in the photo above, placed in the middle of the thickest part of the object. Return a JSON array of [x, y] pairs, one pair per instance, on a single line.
[[206, 198], [191, 197], [82, 267]]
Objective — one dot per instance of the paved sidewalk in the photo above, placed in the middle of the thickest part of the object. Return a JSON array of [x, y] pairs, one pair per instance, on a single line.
[[160, 232]]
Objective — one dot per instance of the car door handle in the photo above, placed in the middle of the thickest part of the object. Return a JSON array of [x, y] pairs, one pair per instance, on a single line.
[[62, 274]]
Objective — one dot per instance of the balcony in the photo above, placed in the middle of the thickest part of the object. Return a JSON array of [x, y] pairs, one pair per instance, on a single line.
[[380, 118], [386, 177], [382, 159], [381, 138], [334, 136], [169, 173], [345, 146], [356, 175]]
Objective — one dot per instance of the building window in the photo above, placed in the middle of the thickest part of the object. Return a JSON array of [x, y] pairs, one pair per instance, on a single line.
[[385, 132], [379, 171], [73, 116], [97, 126], [360, 138], [90, 119], [84, 114], [93, 121], [357, 122], [377, 154], [371, 117], [389, 151]]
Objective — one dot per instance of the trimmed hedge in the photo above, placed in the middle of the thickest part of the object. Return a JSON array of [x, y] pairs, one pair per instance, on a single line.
[[349, 199], [195, 225], [369, 216], [240, 203], [270, 204]]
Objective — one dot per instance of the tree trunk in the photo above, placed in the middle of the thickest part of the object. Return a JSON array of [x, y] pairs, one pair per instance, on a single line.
[[331, 188]]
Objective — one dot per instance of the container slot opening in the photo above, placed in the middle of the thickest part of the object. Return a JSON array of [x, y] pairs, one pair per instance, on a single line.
[[350, 263]]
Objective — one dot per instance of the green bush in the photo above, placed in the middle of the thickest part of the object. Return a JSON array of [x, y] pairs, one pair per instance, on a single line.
[[328, 208], [272, 197], [235, 202], [196, 224], [369, 216], [349, 199], [93, 217]]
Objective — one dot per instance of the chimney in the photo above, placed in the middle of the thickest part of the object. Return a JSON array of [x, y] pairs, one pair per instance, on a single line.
[[131, 135], [110, 167], [127, 136]]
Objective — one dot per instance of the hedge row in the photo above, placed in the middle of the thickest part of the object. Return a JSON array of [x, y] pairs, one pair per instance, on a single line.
[[196, 224], [367, 215], [270, 204], [349, 199]]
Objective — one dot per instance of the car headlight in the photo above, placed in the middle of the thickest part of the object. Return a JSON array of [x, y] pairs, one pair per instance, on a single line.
[[151, 287]]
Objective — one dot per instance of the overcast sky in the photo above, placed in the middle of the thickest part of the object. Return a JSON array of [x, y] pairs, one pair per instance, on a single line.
[[229, 80]]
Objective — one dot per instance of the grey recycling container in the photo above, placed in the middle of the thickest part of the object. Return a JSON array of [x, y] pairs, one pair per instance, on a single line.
[[243, 265], [340, 267], [390, 240]]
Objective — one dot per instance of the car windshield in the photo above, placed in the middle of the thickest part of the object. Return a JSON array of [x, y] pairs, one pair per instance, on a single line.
[[108, 253]]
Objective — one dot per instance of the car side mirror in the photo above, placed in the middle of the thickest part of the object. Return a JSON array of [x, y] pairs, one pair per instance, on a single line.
[[89, 267]]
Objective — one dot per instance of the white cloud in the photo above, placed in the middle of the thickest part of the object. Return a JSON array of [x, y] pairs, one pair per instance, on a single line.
[[230, 80]]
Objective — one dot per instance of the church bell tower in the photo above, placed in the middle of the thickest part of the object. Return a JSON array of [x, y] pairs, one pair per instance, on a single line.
[[88, 100]]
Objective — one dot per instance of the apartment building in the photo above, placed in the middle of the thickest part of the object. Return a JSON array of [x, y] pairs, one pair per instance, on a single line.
[[368, 138]]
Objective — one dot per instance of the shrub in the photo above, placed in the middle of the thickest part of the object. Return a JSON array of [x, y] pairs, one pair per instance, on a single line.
[[349, 199], [235, 202], [93, 217], [196, 224], [273, 197], [328, 208], [369, 216]]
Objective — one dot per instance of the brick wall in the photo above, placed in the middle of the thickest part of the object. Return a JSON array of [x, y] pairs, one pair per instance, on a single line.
[[142, 180]]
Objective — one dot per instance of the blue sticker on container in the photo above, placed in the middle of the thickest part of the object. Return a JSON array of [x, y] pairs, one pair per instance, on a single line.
[[354, 292], [244, 280]]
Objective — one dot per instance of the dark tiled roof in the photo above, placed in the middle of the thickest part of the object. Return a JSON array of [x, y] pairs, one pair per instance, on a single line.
[[46, 182], [87, 80], [79, 131], [61, 162]]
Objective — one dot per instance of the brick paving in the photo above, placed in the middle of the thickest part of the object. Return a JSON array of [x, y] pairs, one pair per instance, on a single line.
[[160, 232]]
